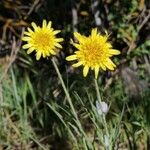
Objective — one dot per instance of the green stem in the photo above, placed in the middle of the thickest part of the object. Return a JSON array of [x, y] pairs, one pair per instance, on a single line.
[[64, 87], [69, 100], [103, 115], [97, 91]]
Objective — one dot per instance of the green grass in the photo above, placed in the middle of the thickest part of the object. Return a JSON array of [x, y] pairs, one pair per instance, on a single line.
[[27, 120]]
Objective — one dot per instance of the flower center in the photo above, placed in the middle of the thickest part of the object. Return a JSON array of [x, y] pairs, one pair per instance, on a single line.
[[93, 53], [42, 40]]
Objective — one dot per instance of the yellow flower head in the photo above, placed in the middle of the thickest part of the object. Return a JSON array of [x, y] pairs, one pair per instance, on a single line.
[[42, 40], [93, 52]]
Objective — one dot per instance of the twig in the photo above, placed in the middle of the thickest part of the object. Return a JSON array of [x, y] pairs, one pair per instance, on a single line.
[[32, 8], [144, 21], [147, 64], [11, 123], [132, 44], [96, 13], [74, 17], [13, 55]]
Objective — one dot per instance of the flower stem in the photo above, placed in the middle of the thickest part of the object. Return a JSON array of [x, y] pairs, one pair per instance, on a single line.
[[103, 115], [97, 91], [70, 102], [64, 88]]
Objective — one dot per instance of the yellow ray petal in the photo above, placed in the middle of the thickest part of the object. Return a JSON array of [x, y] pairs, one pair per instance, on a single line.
[[27, 33], [103, 39], [53, 52], [26, 38], [108, 45], [79, 37], [26, 46], [103, 66], [77, 45], [49, 24], [111, 62], [109, 65], [58, 45], [34, 26], [44, 55], [30, 50], [59, 40], [94, 32], [114, 52], [30, 31], [96, 71], [78, 64], [47, 53], [44, 23], [38, 55], [72, 57], [56, 32], [85, 71]]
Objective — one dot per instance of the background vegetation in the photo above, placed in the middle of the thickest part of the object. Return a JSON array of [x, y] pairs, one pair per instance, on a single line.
[[34, 111]]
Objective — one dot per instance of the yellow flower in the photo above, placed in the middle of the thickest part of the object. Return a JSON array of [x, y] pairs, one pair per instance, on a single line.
[[42, 40], [93, 52]]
